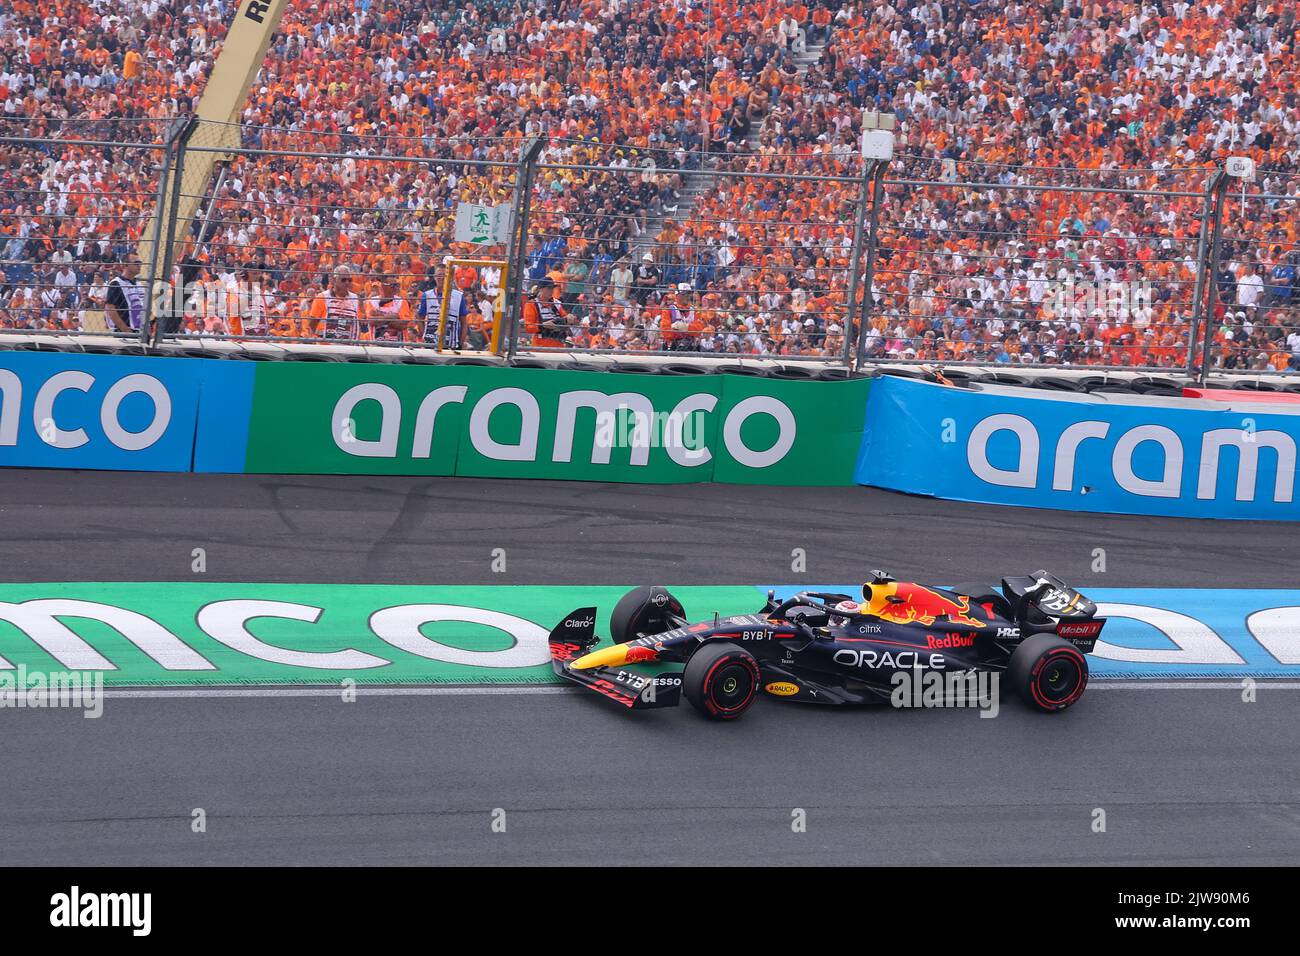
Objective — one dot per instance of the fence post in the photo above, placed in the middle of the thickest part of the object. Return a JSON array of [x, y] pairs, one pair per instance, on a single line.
[[518, 257], [855, 260], [173, 211], [174, 134], [873, 244], [1219, 185], [1198, 294]]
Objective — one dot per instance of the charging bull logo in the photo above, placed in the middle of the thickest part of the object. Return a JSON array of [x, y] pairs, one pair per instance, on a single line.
[[902, 602]]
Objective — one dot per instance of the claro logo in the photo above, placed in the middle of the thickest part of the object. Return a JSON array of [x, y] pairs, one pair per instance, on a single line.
[[1246, 441], [66, 433], [566, 417]]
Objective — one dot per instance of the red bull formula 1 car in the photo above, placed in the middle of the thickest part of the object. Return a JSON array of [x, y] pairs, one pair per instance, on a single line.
[[833, 649]]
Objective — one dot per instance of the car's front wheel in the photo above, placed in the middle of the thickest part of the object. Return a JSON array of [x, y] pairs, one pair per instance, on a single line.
[[644, 610], [721, 681], [1048, 673]]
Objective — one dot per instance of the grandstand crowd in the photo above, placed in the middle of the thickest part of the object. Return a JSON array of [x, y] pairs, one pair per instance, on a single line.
[[701, 176]]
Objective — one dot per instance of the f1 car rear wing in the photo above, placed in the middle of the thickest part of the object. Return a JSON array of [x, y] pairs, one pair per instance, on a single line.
[[575, 636], [1043, 603]]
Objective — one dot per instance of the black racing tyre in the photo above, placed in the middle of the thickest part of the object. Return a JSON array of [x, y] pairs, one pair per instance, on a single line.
[[721, 680], [643, 610], [1048, 673]]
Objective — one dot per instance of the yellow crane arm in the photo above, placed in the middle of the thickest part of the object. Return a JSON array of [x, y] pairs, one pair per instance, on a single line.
[[221, 105]]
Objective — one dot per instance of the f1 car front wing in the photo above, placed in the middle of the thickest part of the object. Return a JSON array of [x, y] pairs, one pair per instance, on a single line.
[[576, 635]]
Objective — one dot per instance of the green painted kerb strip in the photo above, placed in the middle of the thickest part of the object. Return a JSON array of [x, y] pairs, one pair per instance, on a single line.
[[215, 633]]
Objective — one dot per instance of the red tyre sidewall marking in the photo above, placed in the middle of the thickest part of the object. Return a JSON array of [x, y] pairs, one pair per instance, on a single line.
[[1042, 663], [714, 707]]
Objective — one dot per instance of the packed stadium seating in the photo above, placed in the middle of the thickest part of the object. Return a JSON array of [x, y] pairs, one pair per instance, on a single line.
[[739, 122]]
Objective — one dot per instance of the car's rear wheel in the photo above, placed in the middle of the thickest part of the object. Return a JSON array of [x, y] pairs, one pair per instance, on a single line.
[[1048, 673], [721, 681], [644, 610]]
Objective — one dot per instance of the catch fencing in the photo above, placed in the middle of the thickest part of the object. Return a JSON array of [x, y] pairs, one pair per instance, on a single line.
[[306, 236]]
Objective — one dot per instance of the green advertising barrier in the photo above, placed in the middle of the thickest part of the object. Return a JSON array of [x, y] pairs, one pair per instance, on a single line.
[[210, 633], [535, 423]]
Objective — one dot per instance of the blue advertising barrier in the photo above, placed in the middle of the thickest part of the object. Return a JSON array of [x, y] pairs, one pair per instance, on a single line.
[[65, 410], [225, 411], [1178, 457], [1174, 633]]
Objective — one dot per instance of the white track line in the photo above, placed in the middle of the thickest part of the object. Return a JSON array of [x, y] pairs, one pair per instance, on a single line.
[[517, 690], [187, 692]]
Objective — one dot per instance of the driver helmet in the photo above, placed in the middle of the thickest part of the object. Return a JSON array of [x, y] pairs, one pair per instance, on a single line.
[[851, 607]]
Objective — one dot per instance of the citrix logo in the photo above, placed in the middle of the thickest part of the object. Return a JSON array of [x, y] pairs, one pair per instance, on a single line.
[[1169, 485]]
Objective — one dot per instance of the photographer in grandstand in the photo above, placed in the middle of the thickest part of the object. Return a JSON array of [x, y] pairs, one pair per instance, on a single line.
[[456, 331], [544, 318], [124, 306]]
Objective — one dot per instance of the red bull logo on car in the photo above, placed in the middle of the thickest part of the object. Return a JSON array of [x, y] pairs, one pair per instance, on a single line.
[[902, 602]]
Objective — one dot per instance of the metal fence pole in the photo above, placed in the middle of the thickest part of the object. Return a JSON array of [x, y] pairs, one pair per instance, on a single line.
[[169, 246], [174, 133], [873, 245], [518, 258], [855, 259], [1211, 266], [1198, 295]]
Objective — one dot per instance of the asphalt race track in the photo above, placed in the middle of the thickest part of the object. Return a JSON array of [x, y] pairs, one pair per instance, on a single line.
[[1184, 775]]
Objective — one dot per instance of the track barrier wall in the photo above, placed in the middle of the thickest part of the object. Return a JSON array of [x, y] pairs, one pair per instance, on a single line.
[[1001, 445], [1114, 454], [181, 414], [104, 411]]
